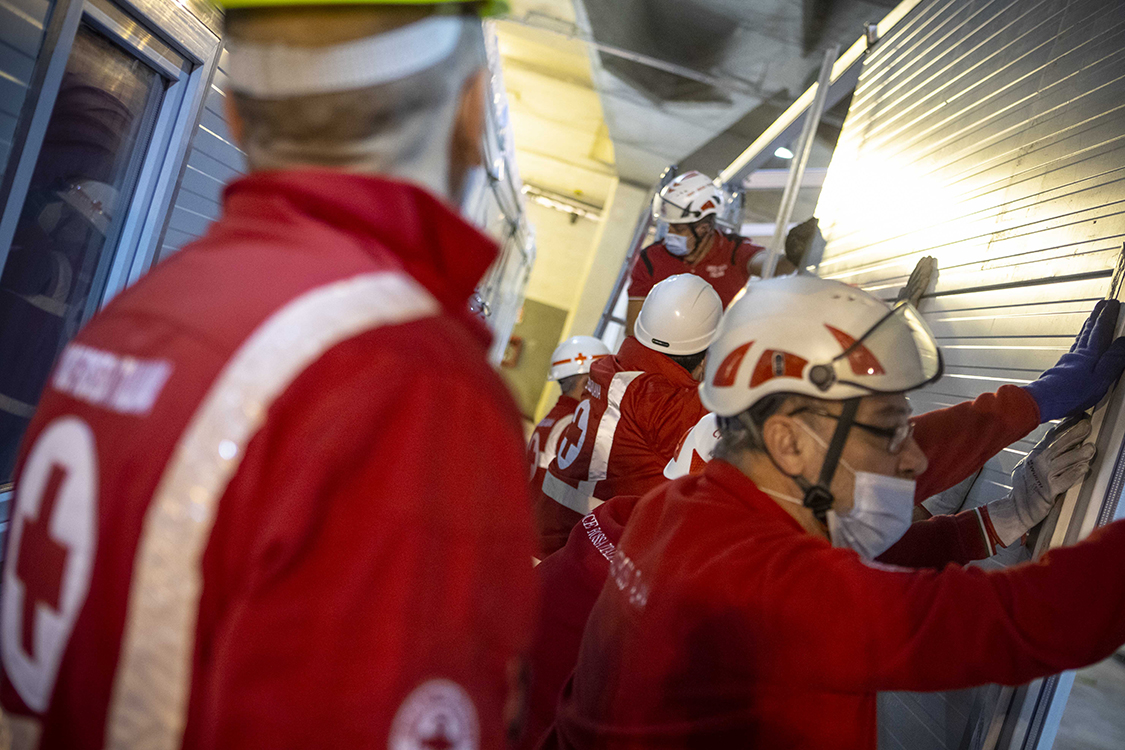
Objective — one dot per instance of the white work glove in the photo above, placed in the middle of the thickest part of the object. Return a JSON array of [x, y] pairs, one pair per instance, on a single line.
[[1058, 462]]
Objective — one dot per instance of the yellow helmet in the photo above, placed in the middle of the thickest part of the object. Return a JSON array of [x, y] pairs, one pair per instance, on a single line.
[[486, 7]]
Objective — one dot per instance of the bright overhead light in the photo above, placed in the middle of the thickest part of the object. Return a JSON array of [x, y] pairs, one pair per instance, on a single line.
[[783, 153]]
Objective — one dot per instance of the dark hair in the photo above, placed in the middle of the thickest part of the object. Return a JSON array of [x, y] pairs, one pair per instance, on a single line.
[[735, 436], [688, 361]]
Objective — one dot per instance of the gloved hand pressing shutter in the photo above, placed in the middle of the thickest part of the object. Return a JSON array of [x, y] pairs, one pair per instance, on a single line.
[[1058, 462], [1085, 374]]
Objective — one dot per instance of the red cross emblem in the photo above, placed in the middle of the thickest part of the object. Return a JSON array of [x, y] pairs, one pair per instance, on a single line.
[[54, 540], [41, 562]]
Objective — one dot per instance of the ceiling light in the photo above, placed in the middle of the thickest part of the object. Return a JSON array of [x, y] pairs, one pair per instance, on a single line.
[[783, 153]]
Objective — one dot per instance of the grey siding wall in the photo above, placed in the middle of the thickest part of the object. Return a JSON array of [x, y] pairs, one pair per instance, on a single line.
[[991, 135], [22, 25], [213, 161]]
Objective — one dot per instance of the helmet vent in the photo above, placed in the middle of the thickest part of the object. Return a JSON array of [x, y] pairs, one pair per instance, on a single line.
[[665, 344]]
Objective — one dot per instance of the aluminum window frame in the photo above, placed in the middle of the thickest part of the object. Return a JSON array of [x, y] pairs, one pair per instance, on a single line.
[[157, 33]]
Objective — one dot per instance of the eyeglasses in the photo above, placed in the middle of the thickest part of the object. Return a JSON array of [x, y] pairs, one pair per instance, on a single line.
[[896, 436]]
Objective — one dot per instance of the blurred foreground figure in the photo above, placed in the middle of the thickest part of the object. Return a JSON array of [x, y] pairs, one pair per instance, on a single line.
[[252, 511], [742, 608]]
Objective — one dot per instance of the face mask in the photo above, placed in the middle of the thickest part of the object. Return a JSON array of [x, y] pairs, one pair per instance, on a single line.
[[676, 244], [882, 510]]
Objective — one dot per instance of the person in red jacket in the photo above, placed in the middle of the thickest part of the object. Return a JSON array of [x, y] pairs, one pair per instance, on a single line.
[[954, 440], [570, 368], [251, 510], [689, 207], [637, 406], [739, 608]]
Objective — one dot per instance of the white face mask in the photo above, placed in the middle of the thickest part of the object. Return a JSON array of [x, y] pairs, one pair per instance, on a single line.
[[676, 244], [882, 510]]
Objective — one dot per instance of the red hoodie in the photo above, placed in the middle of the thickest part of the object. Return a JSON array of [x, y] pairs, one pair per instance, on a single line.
[[251, 510], [723, 623], [957, 441]]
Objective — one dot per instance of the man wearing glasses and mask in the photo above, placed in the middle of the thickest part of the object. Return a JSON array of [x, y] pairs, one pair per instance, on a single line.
[[742, 606]]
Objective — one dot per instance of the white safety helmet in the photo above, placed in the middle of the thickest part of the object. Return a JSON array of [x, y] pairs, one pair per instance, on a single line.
[[687, 199], [696, 448], [818, 338], [679, 316], [575, 355]]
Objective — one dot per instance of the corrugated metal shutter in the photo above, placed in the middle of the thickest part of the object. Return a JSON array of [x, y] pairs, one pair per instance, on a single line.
[[22, 24], [213, 161], [991, 135]]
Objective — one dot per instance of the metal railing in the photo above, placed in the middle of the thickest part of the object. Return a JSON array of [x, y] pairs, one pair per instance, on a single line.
[[644, 224]]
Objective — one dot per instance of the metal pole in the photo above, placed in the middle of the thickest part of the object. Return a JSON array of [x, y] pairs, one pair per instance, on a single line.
[[643, 224], [800, 161]]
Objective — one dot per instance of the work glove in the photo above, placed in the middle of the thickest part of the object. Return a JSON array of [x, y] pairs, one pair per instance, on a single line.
[[1058, 462], [1082, 376], [799, 239]]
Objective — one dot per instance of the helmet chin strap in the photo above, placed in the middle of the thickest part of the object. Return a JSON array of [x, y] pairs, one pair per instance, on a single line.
[[699, 237], [818, 497]]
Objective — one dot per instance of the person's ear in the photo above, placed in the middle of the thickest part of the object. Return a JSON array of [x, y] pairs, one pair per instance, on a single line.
[[785, 443], [235, 123]]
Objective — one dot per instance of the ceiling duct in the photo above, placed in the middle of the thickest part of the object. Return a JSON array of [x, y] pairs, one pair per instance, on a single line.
[[693, 34]]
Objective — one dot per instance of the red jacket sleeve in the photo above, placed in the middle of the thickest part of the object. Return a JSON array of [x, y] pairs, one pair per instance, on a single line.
[[746, 252], [959, 440], [856, 627], [394, 551], [938, 541]]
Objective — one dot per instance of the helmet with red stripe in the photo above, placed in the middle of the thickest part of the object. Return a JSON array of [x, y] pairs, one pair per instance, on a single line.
[[575, 355], [815, 337], [687, 199]]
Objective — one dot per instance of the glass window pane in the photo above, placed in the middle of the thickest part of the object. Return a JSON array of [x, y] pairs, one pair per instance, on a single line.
[[67, 231]]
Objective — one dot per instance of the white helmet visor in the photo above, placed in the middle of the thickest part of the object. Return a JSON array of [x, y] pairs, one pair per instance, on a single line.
[[896, 355]]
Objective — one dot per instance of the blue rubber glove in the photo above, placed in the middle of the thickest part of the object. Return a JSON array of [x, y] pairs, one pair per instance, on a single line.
[[1083, 376]]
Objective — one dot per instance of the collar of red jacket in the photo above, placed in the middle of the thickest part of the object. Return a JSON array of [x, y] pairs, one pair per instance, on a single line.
[[442, 251], [634, 355], [742, 488], [565, 405]]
